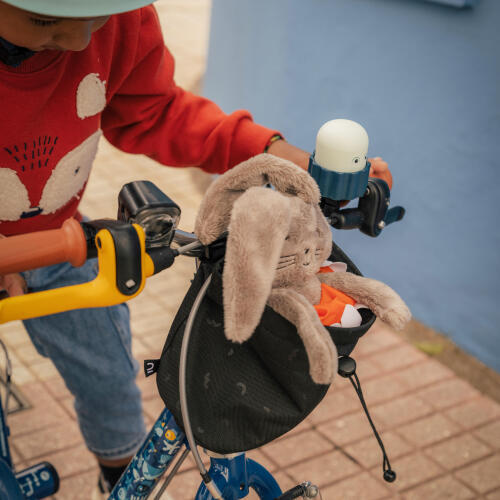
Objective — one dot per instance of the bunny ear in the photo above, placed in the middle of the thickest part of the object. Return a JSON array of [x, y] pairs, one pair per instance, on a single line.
[[215, 209], [259, 223]]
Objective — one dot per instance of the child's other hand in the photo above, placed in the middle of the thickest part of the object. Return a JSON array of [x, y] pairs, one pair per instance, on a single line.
[[379, 168], [13, 284]]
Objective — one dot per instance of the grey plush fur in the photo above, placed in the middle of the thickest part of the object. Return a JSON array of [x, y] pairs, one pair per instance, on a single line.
[[277, 241]]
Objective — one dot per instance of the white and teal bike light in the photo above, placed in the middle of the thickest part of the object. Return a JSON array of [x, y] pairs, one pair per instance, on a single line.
[[339, 163], [340, 168]]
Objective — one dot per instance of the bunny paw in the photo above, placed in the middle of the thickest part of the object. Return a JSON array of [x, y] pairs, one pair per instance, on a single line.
[[397, 318], [323, 370]]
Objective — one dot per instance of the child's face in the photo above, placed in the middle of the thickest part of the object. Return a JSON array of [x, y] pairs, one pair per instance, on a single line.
[[37, 32]]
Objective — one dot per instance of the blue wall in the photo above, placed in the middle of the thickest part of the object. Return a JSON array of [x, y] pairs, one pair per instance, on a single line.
[[424, 80]]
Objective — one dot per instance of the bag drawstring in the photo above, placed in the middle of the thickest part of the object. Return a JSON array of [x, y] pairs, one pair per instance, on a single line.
[[347, 369]]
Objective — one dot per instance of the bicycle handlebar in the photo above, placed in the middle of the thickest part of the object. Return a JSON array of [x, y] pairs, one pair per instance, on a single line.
[[124, 265], [44, 248]]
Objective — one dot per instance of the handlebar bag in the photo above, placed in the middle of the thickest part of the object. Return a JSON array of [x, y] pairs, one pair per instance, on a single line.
[[242, 396]]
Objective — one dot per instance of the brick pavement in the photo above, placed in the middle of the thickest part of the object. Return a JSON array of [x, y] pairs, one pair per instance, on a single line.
[[441, 434]]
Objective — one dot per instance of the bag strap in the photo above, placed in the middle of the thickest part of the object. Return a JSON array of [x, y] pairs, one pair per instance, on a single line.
[[347, 369]]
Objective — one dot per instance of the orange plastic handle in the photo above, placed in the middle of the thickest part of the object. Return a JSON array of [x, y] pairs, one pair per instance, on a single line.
[[44, 248]]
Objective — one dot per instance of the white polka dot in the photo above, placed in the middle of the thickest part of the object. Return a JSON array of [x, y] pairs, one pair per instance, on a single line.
[[90, 96]]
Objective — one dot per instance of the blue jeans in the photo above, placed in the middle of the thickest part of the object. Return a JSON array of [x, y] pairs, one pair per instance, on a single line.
[[91, 349]]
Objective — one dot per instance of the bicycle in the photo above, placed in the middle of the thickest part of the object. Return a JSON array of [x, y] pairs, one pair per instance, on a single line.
[[143, 242]]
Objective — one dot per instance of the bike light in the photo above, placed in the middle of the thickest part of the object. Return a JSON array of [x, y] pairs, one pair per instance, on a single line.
[[339, 163], [143, 203]]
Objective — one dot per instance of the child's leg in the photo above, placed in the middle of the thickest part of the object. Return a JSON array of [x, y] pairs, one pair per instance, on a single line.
[[91, 348]]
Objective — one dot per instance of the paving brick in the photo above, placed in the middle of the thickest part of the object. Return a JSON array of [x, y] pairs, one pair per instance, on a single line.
[[324, 469], [335, 403], [359, 487], [57, 388], [422, 374], [475, 412], [458, 451], [381, 389], [263, 459], [69, 406], [379, 338], [153, 407], [367, 368], [140, 350], [15, 455], [368, 452], [413, 470], [400, 411], [21, 375], [28, 354], [286, 452], [48, 440], [14, 334], [399, 357], [284, 480], [442, 488], [155, 341], [44, 369], [71, 461], [148, 388], [448, 393], [34, 419], [490, 434], [185, 485], [347, 429], [79, 487], [482, 476], [494, 495], [429, 430]]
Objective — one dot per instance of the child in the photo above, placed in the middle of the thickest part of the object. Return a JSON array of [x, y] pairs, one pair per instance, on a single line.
[[70, 72]]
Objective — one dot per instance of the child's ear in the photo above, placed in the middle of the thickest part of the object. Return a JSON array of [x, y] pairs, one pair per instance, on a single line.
[[259, 223]]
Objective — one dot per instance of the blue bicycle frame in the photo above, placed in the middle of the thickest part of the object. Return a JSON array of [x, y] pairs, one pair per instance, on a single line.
[[234, 475], [38, 481]]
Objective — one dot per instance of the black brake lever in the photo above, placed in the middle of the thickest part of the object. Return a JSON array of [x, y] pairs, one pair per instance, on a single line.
[[372, 213]]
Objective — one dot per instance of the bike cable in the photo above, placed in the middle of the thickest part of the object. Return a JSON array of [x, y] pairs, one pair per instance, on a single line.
[[209, 483]]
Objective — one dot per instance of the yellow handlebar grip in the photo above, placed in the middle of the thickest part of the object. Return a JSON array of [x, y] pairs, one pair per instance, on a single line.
[[100, 292]]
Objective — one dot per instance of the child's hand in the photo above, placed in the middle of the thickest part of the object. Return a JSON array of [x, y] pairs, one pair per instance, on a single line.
[[380, 169], [13, 284]]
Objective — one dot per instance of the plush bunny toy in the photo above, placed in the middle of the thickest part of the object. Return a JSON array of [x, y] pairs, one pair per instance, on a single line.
[[277, 241]]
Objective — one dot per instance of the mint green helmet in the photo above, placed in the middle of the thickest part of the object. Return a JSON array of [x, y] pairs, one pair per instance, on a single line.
[[78, 8]]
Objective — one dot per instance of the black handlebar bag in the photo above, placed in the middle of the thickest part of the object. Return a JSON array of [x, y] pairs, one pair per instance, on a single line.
[[242, 396]]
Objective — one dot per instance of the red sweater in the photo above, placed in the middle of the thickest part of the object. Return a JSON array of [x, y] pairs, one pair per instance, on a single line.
[[56, 105]]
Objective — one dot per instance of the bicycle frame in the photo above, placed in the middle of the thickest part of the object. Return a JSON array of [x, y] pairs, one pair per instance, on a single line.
[[234, 474], [38, 481]]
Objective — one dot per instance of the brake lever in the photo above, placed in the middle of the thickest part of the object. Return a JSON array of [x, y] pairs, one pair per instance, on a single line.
[[372, 214]]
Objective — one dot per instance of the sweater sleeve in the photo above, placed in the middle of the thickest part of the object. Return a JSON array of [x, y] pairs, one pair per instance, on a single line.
[[149, 114]]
